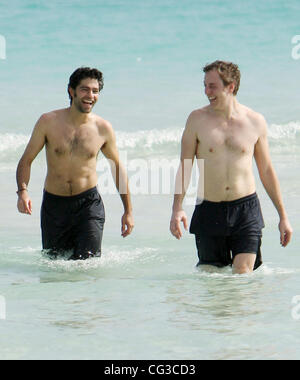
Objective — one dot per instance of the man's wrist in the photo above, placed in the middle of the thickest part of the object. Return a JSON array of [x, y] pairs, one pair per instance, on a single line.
[[177, 208], [128, 212], [282, 213], [19, 191], [283, 216]]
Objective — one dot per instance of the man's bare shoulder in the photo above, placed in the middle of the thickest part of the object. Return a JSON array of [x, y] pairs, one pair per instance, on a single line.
[[199, 113], [52, 116], [256, 119], [104, 126], [197, 116]]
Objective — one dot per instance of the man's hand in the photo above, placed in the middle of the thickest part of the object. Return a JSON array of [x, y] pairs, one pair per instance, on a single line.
[[177, 218], [286, 232], [127, 224], [24, 203]]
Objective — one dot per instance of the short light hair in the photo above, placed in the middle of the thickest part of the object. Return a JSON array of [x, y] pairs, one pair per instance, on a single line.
[[228, 71]]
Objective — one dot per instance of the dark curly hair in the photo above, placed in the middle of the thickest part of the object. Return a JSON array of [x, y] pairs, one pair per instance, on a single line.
[[83, 73], [228, 71]]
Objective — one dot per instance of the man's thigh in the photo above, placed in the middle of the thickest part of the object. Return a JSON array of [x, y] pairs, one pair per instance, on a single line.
[[88, 239], [246, 253], [213, 250]]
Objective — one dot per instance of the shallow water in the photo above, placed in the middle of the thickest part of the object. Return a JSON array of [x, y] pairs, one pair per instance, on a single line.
[[146, 302], [92, 313]]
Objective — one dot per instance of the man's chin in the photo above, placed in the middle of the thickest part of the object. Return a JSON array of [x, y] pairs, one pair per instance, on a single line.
[[85, 110]]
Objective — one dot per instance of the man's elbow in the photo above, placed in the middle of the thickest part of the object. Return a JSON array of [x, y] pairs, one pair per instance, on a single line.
[[25, 162], [267, 172]]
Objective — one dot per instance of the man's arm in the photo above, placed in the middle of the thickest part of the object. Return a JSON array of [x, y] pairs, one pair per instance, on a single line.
[[183, 177], [35, 145], [119, 174], [271, 183]]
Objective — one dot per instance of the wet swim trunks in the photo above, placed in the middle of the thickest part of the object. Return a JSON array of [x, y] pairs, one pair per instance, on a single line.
[[73, 223], [225, 229]]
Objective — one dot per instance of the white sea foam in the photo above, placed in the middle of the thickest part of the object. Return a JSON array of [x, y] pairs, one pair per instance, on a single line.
[[285, 138], [12, 141], [284, 131], [113, 257], [149, 139], [11, 149], [266, 269], [154, 142]]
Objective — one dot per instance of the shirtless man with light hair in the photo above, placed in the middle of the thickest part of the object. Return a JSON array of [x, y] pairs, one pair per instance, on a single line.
[[72, 213], [227, 135]]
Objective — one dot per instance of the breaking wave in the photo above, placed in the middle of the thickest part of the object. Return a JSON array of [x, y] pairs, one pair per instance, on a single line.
[[156, 142]]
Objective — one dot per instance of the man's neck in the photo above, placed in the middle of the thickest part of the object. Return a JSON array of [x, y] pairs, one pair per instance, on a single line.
[[228, 110], [77, 117]]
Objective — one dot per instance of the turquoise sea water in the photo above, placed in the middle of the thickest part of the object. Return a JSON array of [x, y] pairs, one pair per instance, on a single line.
[[144, 299]]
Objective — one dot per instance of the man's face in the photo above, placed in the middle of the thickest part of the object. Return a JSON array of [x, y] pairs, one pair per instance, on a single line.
[[215, 90], [85, 95]]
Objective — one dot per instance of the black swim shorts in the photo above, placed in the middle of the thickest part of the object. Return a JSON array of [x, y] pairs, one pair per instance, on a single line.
[[225, 229], [73, 223]]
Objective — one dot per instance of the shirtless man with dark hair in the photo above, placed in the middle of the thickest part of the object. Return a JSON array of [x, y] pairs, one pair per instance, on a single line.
[[72, 213], [227, 135]]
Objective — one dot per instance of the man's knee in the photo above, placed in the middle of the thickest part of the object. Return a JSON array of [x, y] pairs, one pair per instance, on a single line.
[[241, 269], [244, 263]]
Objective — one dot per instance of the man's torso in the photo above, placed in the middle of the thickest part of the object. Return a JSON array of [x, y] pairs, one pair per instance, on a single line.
[[227, 148], [72, 154]]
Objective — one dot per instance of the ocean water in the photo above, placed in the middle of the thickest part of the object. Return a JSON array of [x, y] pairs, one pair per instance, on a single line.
[[144, 299]]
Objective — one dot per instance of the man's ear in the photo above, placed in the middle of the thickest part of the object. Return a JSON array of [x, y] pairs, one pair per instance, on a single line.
[[231, 87]]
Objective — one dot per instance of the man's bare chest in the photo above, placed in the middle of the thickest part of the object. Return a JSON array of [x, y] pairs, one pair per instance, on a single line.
[[237, 140], [84, 143]]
